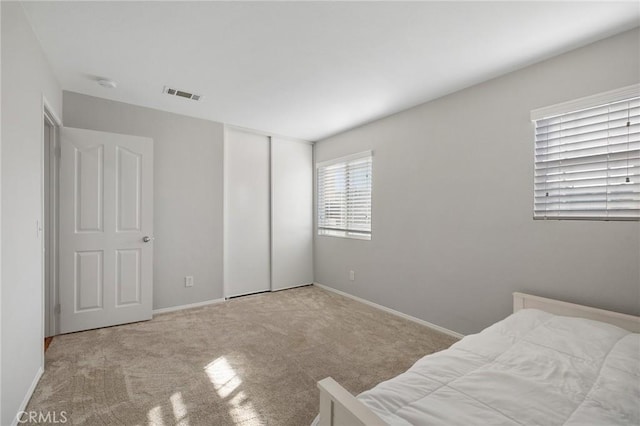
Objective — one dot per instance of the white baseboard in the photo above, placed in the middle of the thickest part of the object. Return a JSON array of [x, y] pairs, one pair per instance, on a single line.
[[290, 287], [188, 306], [393, 312], [28, 395]]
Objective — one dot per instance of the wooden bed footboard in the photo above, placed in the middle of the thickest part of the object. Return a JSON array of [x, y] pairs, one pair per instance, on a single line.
[[558, 307], [339, 408]]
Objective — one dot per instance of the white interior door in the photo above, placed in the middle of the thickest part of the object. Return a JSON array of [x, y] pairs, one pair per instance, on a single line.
[[246, 213], [291, 213], [106, 215]]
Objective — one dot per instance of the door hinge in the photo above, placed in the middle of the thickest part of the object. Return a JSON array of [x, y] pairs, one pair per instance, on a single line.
[[57, 151], [57, 309]]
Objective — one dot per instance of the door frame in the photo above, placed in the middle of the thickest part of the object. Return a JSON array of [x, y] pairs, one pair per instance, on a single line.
[[49, 183]]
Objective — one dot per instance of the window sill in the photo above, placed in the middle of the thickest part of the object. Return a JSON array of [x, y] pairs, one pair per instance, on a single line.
[[591, 218], [344, 234]]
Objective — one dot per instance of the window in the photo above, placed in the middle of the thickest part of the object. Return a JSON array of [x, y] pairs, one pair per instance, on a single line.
[[344, 196], [587, 158]]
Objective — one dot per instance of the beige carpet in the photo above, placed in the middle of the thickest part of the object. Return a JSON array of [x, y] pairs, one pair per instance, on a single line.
[[249, 361]]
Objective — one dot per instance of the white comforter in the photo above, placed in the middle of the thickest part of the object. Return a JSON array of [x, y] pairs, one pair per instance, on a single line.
[[532, 368]]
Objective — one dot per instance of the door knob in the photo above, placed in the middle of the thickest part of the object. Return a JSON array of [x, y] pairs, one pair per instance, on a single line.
[[147, 238]]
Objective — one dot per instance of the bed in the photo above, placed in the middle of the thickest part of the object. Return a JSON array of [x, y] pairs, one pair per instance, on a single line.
[[550, 362]]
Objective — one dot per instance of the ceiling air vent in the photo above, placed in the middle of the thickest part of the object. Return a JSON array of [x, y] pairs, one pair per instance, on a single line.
[[181, 93]]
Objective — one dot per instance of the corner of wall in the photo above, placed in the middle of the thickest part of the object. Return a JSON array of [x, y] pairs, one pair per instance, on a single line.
[[27, 79], [0, 214]]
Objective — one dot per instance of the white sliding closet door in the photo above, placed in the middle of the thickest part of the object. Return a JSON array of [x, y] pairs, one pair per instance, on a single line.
[[291, 213], [246, 213]]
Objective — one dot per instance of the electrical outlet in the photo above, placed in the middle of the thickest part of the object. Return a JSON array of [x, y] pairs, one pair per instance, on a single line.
[[352, 275], [188, 281]]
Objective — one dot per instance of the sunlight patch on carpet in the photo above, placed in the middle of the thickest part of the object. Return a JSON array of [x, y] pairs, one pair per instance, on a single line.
[[225, 381], [179, 409], [155, 416], [223, 376]]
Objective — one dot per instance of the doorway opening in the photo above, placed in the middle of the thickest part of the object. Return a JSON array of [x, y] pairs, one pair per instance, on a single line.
[[49, 226]]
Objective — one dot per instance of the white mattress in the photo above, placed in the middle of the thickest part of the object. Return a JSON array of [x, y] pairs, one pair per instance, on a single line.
[[532, 368]]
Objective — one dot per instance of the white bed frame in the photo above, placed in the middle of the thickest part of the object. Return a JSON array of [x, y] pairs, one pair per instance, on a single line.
[[339, 408]]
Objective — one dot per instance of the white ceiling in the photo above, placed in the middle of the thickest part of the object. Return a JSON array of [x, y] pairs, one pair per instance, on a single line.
[[306, 69]]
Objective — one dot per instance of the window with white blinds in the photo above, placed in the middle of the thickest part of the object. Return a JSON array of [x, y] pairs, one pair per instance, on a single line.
[[344, 196], [587, 160]]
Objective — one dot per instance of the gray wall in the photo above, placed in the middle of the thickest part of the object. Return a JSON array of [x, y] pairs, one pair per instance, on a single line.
[[26, 77], [453, 233], [187, 195]]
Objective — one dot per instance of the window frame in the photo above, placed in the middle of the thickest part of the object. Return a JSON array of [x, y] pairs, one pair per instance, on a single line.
[[571, 107], [326, 231]]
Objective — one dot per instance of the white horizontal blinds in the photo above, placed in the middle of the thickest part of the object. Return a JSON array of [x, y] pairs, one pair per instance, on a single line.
[[587, 163], [344, 197]]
